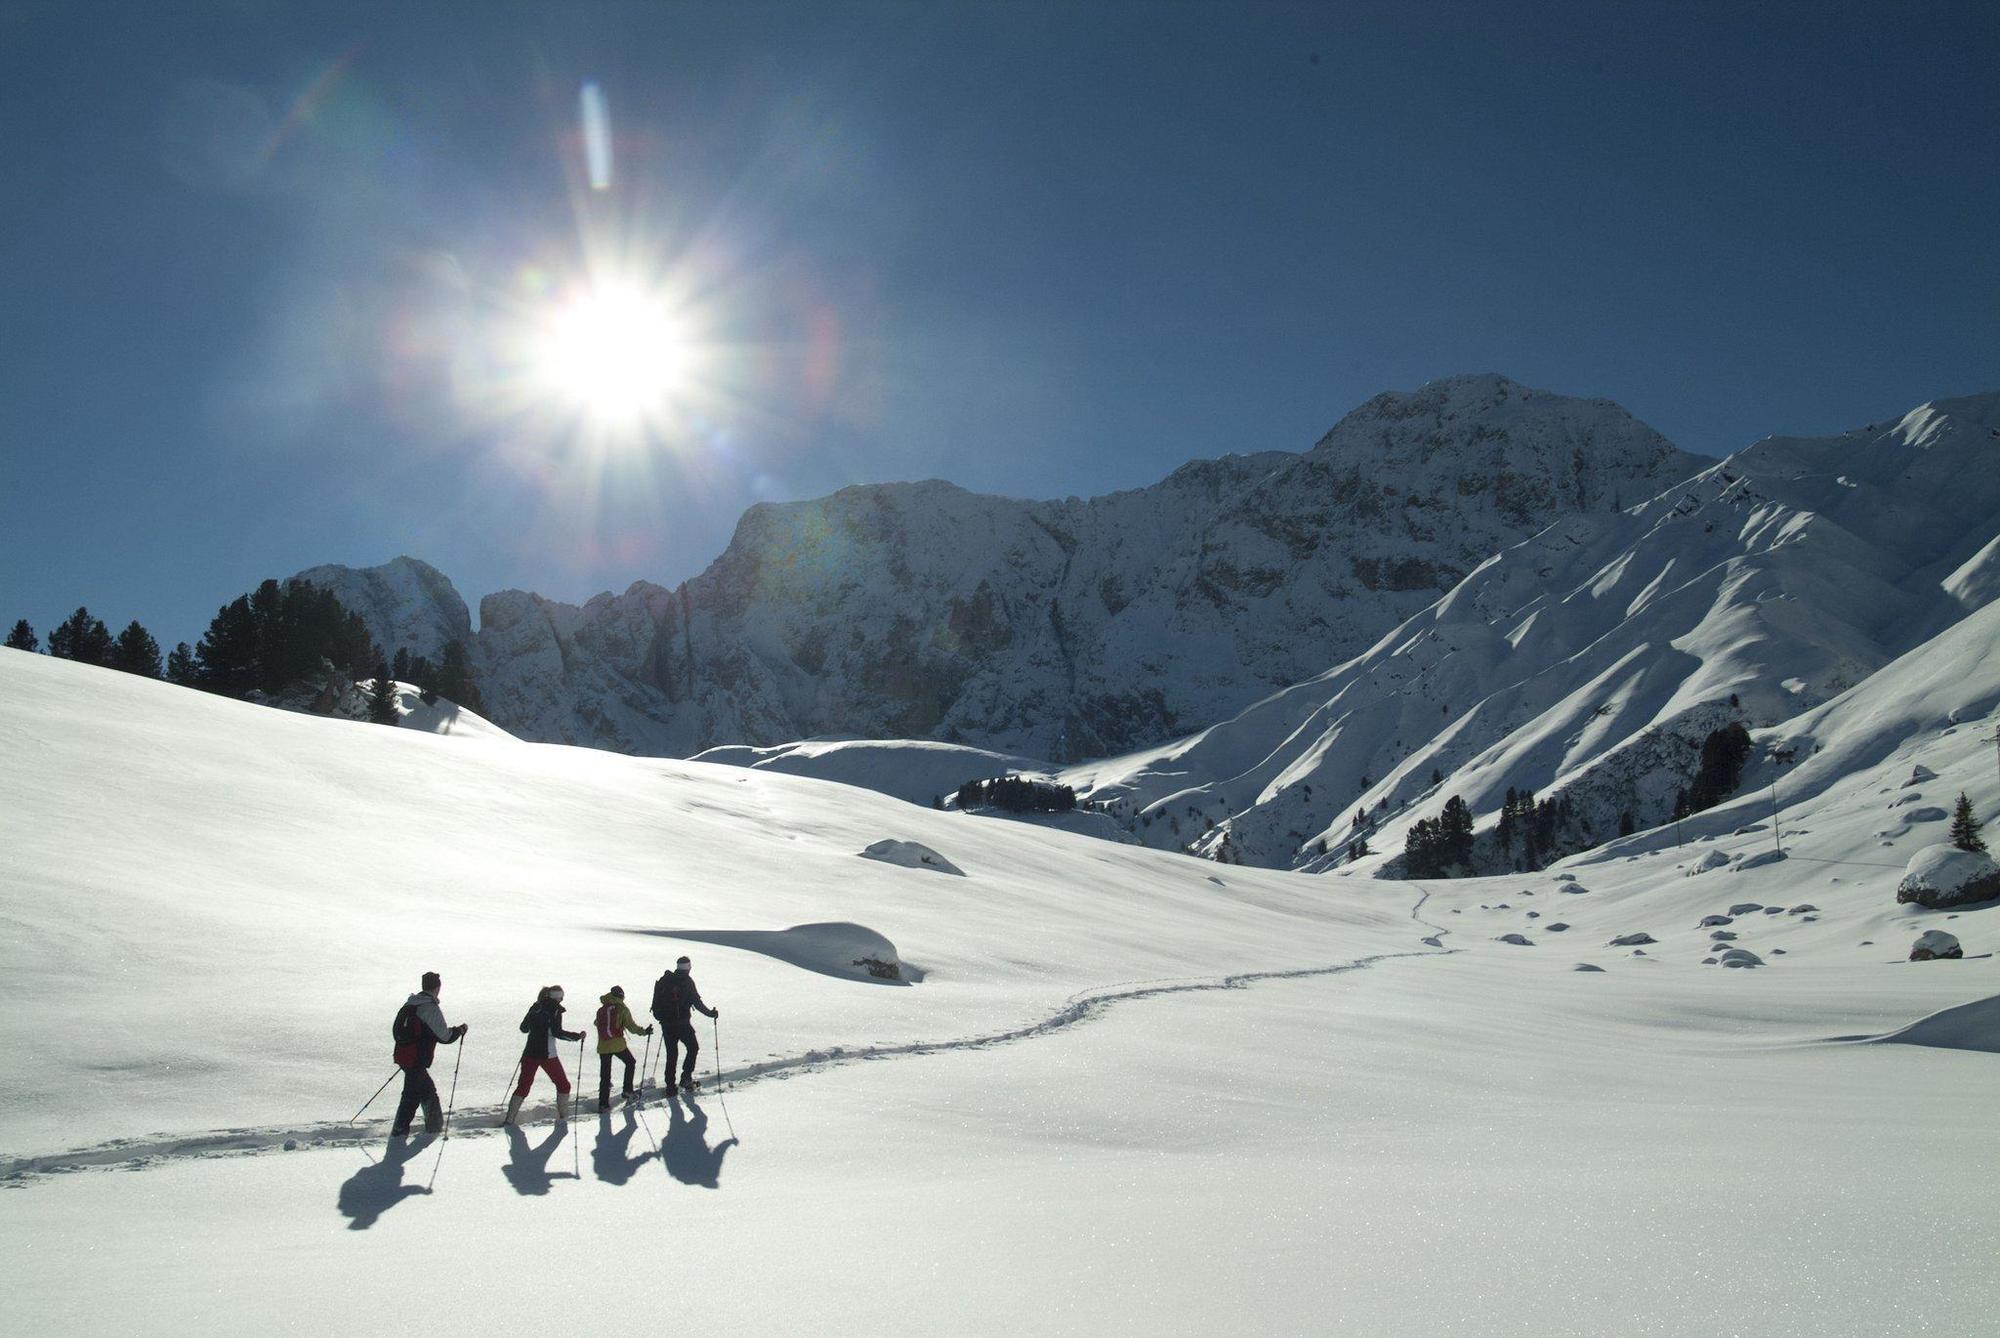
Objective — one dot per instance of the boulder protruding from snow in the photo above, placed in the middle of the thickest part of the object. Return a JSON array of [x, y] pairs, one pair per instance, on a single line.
[[910, 855], [1918, 775], [1740, 957], [1940, 876], [1935, 945], [1632, 940], [1518, 940]]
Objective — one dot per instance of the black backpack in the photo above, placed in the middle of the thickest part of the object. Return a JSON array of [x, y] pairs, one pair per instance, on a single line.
[[666, 997], [408, 1028]]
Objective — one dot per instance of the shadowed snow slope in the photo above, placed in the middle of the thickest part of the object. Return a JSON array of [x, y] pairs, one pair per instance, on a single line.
[[913, 770]]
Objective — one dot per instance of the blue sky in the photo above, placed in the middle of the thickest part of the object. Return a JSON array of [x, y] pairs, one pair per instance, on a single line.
[[258, 256]]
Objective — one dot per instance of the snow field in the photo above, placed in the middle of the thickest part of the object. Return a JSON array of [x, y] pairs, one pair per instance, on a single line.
[[1476, 1139]]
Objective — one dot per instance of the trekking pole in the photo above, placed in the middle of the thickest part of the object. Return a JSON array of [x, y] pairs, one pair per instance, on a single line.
[[452, 1104], [576, 1092], [378, 1091], [646, 1064], [715, 1035]]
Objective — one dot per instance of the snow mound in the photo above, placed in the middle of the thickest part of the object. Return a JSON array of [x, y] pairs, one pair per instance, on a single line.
[[915, 771], [1714, 859], [910, 855], [1969, 1026], [832, 948], [1941, 875], [1760, 859], [442, 716]]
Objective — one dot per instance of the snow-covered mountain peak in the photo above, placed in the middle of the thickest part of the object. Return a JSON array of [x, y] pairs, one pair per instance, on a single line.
[[407, 603], [1594, 657]]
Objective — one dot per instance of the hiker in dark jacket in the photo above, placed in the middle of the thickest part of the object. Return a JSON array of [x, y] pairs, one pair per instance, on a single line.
[[673, 996], [543, 1026], [419, 1029], [613, 1020]]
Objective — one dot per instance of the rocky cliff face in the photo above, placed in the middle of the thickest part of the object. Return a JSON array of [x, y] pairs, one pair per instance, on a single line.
[[1070, 628], [407, 604]]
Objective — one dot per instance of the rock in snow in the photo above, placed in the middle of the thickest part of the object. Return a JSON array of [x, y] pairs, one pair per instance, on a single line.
[[1935, 945], [910, 855], [1941, 875], [1632, 940]]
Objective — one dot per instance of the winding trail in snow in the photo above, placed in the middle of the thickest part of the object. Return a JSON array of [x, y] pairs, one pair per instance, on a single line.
[[138, 1154]]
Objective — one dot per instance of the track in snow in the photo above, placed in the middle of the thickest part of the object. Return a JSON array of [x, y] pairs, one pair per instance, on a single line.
[[138, 1154]]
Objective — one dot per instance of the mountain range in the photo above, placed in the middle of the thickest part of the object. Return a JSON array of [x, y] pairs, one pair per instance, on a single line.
[[1057, 629]]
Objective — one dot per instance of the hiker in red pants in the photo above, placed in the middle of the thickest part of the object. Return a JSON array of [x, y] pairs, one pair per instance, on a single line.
[[543, 1026]]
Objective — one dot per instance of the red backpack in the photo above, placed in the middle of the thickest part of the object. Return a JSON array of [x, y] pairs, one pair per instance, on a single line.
[[406, 1031]]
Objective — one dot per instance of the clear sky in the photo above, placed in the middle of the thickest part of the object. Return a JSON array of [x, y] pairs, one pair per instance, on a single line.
[[280, 279]]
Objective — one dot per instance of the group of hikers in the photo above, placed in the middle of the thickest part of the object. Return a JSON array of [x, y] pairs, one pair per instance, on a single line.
[[420, 1028]]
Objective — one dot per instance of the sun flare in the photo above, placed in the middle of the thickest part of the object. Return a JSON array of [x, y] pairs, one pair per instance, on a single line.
[[617, 353]]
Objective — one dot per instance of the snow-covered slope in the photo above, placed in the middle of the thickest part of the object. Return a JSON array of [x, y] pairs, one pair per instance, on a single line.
[[1160, 1093], [1596, 656], [915, 771], [1061, 628]]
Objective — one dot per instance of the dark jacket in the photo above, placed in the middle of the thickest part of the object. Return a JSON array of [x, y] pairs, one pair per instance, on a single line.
[[422, 1021], [543, 1024], [674, 995]]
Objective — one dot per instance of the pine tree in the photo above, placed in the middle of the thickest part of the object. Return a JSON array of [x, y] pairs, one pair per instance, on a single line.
[[1455, 833], [81, 638], [181, 668], [135, 652], [23, 637], [1965, 827], [226, 657], [382, 698]]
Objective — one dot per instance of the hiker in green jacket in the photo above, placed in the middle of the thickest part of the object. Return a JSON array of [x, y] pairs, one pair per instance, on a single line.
[[614, 1019]]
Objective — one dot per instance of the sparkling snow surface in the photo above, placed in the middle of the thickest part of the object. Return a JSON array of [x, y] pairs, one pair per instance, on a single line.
[[1130, 1091]]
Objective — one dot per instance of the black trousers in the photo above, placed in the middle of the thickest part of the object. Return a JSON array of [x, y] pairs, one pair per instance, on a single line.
[[680, 1033], [418, 1090], [604, 1074]]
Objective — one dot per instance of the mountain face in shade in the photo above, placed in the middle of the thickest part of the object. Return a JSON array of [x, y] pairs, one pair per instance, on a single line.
[[1069, 628]]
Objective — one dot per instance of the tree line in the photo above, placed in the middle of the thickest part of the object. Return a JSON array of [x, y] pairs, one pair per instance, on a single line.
[[262, 644], [1017, 794], [1532, 833]]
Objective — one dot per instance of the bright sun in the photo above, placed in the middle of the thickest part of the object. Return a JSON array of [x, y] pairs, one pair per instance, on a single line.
[[616, 352]]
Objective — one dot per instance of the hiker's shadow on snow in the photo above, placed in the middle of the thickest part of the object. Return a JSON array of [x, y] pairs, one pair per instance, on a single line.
[[685, 1150], [612, 1157], [378, 1186], [527, 1168]]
